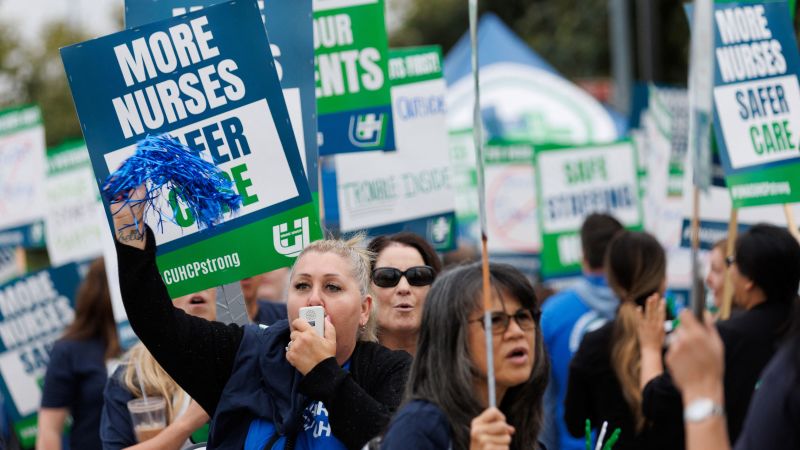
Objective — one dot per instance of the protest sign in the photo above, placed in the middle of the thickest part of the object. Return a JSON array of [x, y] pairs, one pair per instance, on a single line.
[[34, 310], [511, 217], [207, 78], [75, 215], [577, 181], [408, 189], [22, 169], [8, 264], [465, 184], [289, 25], [757, 102], [351, 53]]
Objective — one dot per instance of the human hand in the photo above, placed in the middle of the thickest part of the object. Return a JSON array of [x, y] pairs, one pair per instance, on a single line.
[[651, 324], [490, 431], [695, 358], [306, 348], [128, 217]]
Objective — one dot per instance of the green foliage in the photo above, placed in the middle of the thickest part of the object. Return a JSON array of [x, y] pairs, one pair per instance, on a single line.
[[572, 35], [35, 75]]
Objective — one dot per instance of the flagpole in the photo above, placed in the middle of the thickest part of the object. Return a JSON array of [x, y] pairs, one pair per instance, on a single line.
[[701, 80], [478, 138]]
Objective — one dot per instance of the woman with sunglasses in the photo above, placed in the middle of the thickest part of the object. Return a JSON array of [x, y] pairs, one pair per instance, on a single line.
[[446, 403], [402, 273]]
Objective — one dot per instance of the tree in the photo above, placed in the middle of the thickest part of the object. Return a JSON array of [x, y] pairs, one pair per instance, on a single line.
[[572, 35], [36, 75]]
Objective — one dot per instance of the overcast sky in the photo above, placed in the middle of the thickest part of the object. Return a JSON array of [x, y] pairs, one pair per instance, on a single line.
[[95, 16]]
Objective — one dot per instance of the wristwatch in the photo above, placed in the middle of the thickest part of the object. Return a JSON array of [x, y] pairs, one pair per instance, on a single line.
[[701, 409]]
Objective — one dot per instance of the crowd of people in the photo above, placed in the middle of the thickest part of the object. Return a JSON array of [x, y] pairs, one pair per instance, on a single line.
[[402, 362]]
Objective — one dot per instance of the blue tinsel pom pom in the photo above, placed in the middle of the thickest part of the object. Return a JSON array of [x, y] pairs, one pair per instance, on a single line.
[[163, 162]]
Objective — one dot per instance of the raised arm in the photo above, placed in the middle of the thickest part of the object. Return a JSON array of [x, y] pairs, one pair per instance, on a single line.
[[196, 353]]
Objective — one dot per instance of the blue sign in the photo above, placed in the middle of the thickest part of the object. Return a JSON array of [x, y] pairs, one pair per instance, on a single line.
[[209, 79], [757, 102], [28, 236], [34, 310], [289, 25]]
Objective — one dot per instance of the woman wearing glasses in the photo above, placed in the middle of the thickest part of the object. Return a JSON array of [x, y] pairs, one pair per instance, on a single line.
[[402, 273], [446, 403]]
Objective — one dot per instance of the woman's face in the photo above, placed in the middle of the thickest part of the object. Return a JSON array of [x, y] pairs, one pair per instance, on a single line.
[[200, 304], [399, 308], [716, 275], [327, 280], [514, 349]]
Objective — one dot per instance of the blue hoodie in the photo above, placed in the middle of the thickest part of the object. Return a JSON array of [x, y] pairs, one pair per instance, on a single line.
[[566, 318]]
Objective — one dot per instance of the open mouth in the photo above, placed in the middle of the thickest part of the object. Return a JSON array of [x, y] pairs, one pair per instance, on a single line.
[[197, 300], [518, 355], [404, 307]]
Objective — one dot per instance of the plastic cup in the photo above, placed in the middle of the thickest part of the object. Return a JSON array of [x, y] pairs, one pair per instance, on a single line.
[[148, 416]]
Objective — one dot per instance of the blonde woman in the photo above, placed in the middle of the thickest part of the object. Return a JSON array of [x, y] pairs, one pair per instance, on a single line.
[[184, 416], [282, 386]]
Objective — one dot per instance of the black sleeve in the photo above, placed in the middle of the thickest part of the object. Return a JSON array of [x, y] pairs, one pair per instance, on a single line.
[[661, 400], [196, 353], [578, 401], [356, 416]]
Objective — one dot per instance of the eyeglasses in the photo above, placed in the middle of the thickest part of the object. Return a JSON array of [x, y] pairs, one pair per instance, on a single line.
[[525, 318], [387, 277], [729, 260]]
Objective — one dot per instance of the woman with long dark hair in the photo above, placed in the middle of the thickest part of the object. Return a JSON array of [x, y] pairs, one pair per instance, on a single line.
[[606, 378], [76, 374], [446, 396]]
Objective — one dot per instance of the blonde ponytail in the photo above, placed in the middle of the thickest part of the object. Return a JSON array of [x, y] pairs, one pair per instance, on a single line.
[[626, 359], [155, 380]]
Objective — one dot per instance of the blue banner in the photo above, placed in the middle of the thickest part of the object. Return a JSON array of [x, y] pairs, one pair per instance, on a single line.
[[208, 78], [34, 310], [289, 25], [757, 102], [28, 236]]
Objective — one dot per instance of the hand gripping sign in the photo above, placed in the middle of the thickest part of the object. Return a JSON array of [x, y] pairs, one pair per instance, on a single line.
[[208, 78]]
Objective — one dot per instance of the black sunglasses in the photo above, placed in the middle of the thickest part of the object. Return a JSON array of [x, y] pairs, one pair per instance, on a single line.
[[525, 318], [386, 277]]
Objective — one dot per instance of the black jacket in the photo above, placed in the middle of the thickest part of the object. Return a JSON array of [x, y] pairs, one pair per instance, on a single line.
[[594, 393], [208, 360], [750, 339]]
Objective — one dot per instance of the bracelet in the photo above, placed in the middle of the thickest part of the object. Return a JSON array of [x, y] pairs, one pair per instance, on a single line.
[[701, 409]]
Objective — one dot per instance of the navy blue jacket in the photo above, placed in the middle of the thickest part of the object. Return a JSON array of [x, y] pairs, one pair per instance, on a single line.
[[116, 426]]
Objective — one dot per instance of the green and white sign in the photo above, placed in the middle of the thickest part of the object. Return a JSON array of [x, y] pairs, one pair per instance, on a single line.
[[511, 204], [22, 168], [209, 79], [465, 184], [34, 310], [757, 102], [351, 53], [575, 182], [409, 189], [74, 219]]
